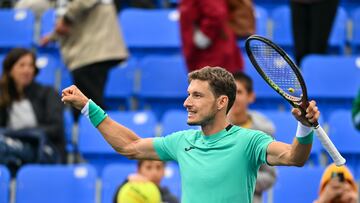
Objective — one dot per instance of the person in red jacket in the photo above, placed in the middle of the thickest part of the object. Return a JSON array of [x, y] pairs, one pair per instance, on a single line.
[[207, 37]]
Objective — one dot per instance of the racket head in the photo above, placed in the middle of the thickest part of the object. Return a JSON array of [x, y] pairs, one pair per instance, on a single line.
[[277, 69]]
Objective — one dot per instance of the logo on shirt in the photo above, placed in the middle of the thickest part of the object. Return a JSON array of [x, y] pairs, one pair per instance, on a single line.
[[189, 148]]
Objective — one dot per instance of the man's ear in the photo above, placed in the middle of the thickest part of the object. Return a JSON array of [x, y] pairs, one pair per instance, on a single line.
[[222, 102], [251, 97]]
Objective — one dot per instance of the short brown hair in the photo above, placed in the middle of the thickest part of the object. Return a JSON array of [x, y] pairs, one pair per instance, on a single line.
[[220, 80]]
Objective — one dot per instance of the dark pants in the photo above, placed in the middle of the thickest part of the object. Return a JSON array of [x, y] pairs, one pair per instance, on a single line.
[[91, 80], [19, 147], [312, 24]]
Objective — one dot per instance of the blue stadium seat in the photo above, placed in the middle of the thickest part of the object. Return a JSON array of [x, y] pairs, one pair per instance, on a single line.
[[140, 35], [297, 185], [56, 184], [115, 174], [355, 41], [47, 25], [112, 177], [261, 20], [282, 30], [120, 86], [94, 148], [2, 56], [68, 127], [19, 30], [266, 97], [4, 184], [345, 137], [333, 81], [49, 70], [48, 20], [337, 39], [66, 77], [163, 84], [286, 125], [175, 120]]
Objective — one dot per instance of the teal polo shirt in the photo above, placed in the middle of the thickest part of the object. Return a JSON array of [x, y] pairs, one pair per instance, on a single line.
[[218, 168]]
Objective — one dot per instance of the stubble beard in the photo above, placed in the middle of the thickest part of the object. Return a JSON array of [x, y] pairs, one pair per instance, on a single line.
[[209, 119]]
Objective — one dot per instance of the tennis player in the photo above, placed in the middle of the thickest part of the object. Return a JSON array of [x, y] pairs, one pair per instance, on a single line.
[[218, 163]]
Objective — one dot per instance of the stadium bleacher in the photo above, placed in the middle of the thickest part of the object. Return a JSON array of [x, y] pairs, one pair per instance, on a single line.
[[4, 184], [19, 30], [346, 138], [332, 81], [297, 185], [58, 184]]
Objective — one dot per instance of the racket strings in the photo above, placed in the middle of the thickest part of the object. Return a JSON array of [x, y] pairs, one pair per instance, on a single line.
[[277, 69]]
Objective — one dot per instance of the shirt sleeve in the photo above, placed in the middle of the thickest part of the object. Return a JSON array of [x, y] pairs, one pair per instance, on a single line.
[[259, 143], [167, 147]]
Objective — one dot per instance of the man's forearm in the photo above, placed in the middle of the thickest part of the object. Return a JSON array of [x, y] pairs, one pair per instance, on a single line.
[[299, 153], [295, 154], [117, 135], [301, 146]]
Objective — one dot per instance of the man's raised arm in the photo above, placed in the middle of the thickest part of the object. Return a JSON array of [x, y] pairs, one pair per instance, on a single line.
[[122, 139], [297, 153]]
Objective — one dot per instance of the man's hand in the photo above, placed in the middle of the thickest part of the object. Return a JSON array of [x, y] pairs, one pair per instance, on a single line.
[[45, 40], [332, 191], [73, 96], [336, 191], [200, 40], [311, 116], [61, 27], [135, 177]]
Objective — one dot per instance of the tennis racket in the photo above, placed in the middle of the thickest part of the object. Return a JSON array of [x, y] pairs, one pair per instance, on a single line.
[[282, 74]]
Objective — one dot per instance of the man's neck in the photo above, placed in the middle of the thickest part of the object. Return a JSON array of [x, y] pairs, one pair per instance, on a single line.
[[215, 126]]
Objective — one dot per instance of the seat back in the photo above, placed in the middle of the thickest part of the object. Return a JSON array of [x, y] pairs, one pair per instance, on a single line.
[[4, 184], [17, 28], [56, 183], [297, 185]]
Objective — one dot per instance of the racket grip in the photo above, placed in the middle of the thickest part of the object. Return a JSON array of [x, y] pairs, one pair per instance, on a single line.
[[329, 146]]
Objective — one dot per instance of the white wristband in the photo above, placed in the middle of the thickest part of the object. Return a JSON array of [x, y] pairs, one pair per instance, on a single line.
[[85, 109], [302, 130]]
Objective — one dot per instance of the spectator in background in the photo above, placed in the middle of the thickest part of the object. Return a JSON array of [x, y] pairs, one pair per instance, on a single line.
[[91, 43], [242, 17], [356, 111], [312, 21], [38, 7], [30, 114], [240, 115], [337, 186], [207, 38], [149, 170]]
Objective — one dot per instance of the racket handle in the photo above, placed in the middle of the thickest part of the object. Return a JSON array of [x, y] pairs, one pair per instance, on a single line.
[[329, 146]]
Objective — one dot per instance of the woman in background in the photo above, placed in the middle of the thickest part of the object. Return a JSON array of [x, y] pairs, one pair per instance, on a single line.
[[31, 114]]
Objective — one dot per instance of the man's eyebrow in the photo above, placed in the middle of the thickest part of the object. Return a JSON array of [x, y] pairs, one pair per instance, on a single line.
[[197, 92]]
